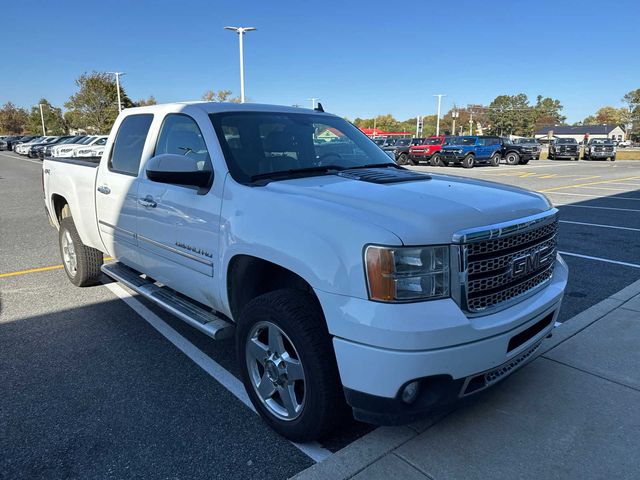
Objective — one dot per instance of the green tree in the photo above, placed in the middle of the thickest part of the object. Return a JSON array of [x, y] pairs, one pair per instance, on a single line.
[[143, 103], [476, 113], [53, 120], [613, 116], [511, 115], [546, 112], [94, 107], [12, 119], [632, 99], [219, 96]]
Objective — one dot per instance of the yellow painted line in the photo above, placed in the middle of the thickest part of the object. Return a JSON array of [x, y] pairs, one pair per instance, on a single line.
[[549, 176], [37, 270], [587, 184]]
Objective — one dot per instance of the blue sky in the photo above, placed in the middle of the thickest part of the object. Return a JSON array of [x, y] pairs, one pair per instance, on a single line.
[[361, 58]]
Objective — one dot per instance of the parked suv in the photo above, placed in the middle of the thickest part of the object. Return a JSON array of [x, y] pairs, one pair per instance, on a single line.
[[530, 142], [427, 150], [400, 149], [599, 148], [564, 148], [470, 150], [519, 153]]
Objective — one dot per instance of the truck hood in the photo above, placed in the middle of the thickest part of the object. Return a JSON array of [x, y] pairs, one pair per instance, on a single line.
[[418, 212]]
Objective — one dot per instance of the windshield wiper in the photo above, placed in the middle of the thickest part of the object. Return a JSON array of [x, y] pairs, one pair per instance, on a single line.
[[296, 171]]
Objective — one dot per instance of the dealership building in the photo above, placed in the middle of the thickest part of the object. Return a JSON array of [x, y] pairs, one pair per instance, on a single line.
[[579, 133]]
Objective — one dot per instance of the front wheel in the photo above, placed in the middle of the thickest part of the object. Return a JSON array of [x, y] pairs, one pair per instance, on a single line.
[[613, 159], [288, 366], [468, 161], [495, 160], [524, 162], [81, 263], [403, 159]]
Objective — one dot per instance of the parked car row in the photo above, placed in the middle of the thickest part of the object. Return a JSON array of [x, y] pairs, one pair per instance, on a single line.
[[595, 149], [72, 146], [466, 151]]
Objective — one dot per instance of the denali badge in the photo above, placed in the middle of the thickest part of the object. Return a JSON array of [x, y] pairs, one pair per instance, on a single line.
[[531, 262]]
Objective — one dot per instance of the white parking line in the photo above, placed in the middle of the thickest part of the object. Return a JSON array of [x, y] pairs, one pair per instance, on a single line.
[[606, 260], [312, 449], [599, 208], [600, 197], [18, 158], [601, 225]]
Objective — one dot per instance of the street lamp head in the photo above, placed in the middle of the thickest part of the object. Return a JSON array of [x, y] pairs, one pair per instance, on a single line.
[[240, 30]]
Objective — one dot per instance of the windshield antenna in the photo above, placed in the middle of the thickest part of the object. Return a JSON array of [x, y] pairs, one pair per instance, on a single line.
[[319, 108]]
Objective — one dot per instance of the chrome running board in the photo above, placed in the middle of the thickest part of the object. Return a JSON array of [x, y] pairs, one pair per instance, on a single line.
[[195, 315]]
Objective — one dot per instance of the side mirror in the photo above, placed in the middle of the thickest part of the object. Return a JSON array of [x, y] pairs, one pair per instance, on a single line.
[[178, 170]]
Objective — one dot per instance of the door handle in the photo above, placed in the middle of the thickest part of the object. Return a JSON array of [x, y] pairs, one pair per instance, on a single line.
[[147, 202], [104, 189]]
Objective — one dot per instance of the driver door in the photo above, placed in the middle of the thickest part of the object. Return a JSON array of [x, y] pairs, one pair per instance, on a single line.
[[178, 225]]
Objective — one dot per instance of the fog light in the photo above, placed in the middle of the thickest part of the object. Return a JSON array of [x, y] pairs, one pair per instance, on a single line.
[[410, 392]]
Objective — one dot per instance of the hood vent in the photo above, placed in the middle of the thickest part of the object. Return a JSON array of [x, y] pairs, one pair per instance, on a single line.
[[384, 175]]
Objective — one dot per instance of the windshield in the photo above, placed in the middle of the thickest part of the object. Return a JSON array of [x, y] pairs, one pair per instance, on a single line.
[[403, 142], [432, 141], [462, 141], [260, 143], [379, 141], [525, 140], [86, 140], [567, 140], [601, 141]]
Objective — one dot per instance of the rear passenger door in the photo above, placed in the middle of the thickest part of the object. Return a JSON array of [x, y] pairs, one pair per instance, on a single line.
[[117, 189]]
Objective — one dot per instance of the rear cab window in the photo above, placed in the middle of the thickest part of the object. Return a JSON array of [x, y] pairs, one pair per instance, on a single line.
[[129, 143]]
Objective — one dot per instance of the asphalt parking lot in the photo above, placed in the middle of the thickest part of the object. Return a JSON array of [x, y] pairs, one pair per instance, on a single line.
[[102, 384]]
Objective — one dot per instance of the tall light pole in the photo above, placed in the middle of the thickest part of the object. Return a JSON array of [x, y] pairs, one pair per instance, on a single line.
[[44, 131], [439, 95], [313, 102], [117, 74], [454, 115], [240, 31]]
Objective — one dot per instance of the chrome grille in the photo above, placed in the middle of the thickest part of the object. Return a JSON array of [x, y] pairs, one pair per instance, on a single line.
[[513, 261]]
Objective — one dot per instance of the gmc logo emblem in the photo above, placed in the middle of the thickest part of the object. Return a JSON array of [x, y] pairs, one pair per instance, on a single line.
[[531, 262]]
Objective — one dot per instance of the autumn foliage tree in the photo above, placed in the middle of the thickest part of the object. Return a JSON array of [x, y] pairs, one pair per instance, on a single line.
[[12, 119]]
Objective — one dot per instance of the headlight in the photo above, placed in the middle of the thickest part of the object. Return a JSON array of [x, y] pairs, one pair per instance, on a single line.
[[407, 273]]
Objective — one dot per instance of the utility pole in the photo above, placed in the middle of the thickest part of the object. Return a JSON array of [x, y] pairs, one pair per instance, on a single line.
[[454, 115], [241, 31], [44, 131], [470, 123], [417, 126], [117, 75], [439, 95], [313, 102]]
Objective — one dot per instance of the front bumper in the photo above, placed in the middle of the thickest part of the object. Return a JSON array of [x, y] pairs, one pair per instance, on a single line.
[[380, 348], [566, 154], [601, 154]]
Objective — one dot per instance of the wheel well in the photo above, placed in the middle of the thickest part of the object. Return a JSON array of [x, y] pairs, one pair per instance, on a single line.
[[249, 277], [59, 203]]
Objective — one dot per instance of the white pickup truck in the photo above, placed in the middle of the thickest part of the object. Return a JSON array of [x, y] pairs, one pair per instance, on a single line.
[[345, 278]]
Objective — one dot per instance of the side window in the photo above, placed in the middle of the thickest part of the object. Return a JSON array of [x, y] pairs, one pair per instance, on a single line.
[[127, 148], [481, 142], [180, 135]]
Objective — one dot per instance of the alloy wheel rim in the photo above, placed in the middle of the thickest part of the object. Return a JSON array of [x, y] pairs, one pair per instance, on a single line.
[[275, 371], [69, 253]]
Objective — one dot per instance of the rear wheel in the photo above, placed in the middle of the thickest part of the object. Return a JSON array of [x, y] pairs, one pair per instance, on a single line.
[[468, 161], [435, 161], [288, 365], [81, 263], [512, 158]]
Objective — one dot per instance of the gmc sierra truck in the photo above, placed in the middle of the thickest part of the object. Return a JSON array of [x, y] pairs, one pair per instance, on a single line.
[[339, 281]]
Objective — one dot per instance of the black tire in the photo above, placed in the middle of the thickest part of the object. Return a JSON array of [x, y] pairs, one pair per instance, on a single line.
[[512, 158], [523, 162], [298, 315], [550, 156], [468, 161], [435, 161], [403, 159], [494, 161], [87, 260], [537, 158], [410, 160], [613, 159], [443, 161]]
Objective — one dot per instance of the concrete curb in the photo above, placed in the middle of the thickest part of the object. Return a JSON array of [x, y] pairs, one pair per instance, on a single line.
[[370, 448]]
